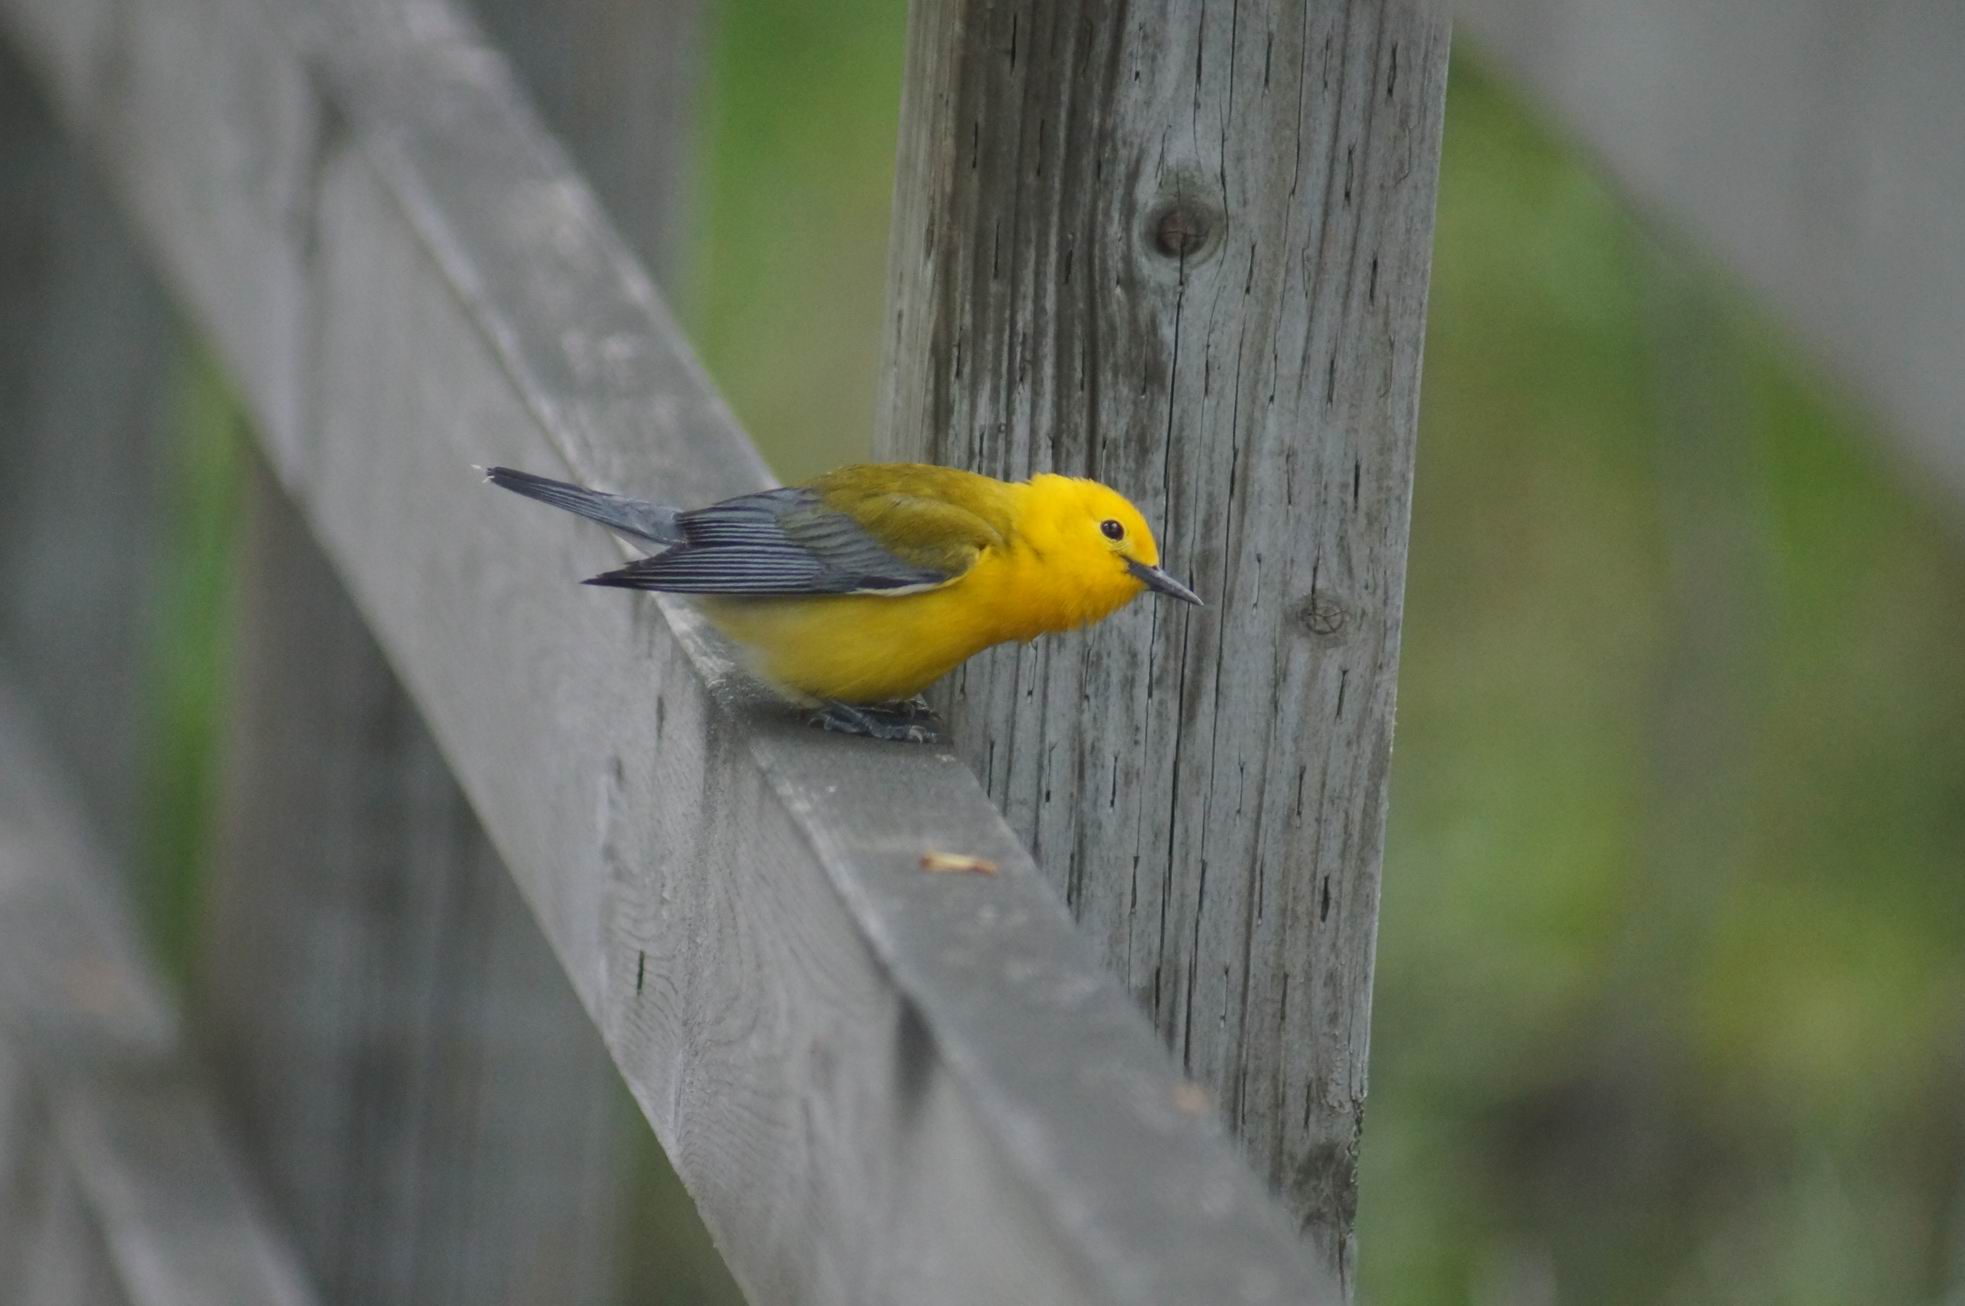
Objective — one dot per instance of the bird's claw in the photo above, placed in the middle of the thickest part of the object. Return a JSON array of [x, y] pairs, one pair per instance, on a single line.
[[910, 722]]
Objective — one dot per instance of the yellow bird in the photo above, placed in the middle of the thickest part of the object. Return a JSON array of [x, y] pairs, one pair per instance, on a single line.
[[853, 592]]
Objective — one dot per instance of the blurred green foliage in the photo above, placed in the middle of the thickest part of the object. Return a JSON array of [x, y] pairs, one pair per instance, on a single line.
[[790, 240], [188, 651], [1671, 992]]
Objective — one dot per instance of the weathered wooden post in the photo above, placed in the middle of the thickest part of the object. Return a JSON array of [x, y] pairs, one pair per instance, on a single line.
[[1184, 249]]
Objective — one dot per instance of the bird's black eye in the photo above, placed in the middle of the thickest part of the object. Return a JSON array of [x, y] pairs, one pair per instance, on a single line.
[[1113, 530]]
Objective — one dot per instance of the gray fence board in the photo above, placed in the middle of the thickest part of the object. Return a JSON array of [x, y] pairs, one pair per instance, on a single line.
[[880, 1084], [1185, 250]]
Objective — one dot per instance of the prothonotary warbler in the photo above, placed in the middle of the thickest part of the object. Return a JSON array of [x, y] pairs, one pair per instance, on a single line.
[[852, 592]]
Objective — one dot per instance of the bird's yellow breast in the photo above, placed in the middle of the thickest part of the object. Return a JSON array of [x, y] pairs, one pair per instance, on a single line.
[[872, 648]]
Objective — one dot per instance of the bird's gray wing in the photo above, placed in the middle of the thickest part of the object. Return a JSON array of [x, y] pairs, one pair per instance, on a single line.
[[776, 542]]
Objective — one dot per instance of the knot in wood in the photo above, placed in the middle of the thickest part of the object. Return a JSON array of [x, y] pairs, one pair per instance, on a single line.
[[1183, 228], [1323, 615]]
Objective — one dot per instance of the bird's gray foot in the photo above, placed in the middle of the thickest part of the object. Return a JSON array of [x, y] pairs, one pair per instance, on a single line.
[[911, 722]]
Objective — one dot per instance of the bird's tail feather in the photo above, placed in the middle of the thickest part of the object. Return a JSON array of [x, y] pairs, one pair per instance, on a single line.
[[636, 517]]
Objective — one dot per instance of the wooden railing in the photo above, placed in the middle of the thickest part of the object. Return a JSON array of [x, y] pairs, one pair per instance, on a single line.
[[879, 1084]]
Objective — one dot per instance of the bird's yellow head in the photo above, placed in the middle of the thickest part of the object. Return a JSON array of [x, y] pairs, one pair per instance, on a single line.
[[1090, 536]]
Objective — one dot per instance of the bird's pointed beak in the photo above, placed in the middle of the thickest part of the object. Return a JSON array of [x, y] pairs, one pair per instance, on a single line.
[[1155, 579]]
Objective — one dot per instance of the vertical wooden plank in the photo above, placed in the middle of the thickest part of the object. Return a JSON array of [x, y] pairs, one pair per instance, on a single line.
[[429, 1103], [87, 342], [1184, 250]]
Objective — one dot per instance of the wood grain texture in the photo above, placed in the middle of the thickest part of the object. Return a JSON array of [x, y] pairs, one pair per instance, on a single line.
[[127, 1187], [1810, 145], [411, 1072], [1184, 250], [880, 1085]]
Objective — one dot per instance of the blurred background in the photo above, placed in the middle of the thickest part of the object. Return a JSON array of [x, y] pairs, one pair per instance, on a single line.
[[1671, 975]]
